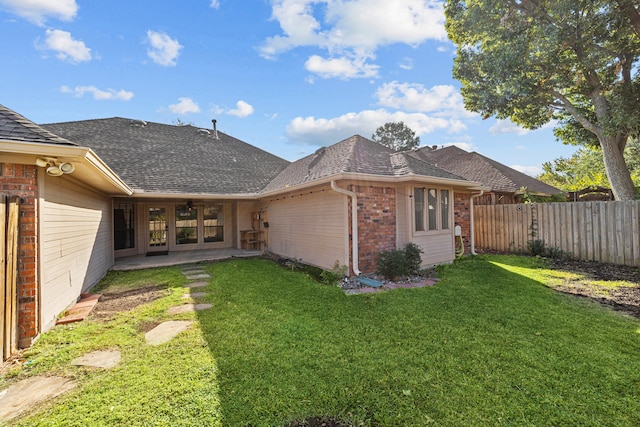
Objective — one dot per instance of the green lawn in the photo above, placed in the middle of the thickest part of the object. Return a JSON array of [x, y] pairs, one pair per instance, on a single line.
[[490, 344]]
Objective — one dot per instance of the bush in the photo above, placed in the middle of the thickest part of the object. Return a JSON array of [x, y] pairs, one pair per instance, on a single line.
[[396, 263], [412, 254], [392, 264]]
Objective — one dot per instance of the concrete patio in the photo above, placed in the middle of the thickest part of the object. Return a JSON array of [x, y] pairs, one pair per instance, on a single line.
[[139, 262]]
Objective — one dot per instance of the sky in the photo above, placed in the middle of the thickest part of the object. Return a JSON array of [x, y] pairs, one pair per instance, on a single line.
[[288, 76]]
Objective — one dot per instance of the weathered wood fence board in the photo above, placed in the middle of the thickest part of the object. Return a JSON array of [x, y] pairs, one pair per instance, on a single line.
[[597, 231], [9, 216]]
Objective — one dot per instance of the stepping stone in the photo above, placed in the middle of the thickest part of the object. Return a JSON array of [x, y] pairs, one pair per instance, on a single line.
[[104, 359], [193, 271], [188, 308], [196, 285], [195, 295], [166, 331], [198, 276], [24, 395]]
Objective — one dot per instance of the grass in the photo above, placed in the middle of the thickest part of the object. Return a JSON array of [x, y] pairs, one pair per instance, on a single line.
[[490, 344]]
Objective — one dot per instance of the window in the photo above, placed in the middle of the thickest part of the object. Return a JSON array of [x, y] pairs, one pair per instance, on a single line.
[[444, 209], [418, 197], [213, 223], [124, 226], [431, 210], [186, 225]]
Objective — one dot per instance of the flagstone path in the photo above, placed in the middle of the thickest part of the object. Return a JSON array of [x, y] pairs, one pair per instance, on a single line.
[[24, 395]]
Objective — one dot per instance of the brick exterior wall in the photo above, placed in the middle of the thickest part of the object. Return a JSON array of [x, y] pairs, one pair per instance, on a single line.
[[21, 180], [376, 224], [462, 217]]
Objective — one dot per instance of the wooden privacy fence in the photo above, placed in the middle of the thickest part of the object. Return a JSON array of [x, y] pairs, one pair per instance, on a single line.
[[9, 213], [597, 231]]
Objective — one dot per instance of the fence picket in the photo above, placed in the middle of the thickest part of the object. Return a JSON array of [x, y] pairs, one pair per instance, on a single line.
[[599, 231]]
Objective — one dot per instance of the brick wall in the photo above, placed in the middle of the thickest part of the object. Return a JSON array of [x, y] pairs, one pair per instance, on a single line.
[[21, 180], [376, 224], [462, 217]]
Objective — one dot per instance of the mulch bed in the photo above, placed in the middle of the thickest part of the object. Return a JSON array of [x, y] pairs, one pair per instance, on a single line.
[[113, 303], [623, 298]]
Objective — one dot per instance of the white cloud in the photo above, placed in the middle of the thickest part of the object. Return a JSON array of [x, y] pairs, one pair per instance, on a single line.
[[66, 48], [343, 68], [215, 4], [406, 64], [164, 50], [243, 109], [353, 30], [320, 131], [444, 100], [184, 106], [98, 94], [528, 170], [507, 126], [359, 24], [37, 11]]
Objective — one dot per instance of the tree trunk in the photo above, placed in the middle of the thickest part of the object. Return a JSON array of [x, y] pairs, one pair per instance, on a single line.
[[616, 167]]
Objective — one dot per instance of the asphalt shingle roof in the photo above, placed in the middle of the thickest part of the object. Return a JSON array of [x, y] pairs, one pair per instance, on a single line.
[[155, 157], [15, 127], [356, 155], [476, 167]]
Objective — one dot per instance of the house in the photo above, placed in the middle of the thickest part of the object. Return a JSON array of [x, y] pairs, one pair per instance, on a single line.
[[98, 190], [506, 184]]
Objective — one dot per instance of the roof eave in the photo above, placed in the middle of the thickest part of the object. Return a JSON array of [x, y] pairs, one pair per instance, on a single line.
[[92, 166], [467, 185]]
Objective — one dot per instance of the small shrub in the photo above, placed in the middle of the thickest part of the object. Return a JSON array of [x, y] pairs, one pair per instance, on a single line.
[[412, 254], [392, 264], [333, 276], [536, 247]]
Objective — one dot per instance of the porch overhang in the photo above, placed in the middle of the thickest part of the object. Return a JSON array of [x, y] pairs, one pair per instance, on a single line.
[[89, 168]]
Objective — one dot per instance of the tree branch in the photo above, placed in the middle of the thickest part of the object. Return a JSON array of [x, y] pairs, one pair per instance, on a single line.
[[571, 109]]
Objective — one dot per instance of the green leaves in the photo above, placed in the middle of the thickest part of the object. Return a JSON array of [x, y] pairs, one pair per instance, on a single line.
[[566, 60], [397, 136]]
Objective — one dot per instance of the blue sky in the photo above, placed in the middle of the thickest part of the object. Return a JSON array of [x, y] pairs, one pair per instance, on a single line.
[[287, 76]]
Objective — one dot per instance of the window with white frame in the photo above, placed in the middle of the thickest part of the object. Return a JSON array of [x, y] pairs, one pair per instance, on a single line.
[[431, 208]]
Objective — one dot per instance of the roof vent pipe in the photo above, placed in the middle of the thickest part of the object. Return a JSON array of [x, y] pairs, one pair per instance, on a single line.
[[215, 129]]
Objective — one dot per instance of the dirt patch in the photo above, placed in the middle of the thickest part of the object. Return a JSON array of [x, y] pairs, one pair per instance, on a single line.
[[113, 303], [621, 298]]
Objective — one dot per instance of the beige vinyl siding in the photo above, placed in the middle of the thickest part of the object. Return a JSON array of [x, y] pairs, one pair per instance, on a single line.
[[438, 247], [403, 216], [312, 227], [75, 244]]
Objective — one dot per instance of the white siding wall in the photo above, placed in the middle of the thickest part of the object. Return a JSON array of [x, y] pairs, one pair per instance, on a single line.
[[312, 227], [438, 247], [76, 244]]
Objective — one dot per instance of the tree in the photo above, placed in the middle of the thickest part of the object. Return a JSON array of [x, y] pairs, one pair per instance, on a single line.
[[573, 61], [586, 169], [397, 136]]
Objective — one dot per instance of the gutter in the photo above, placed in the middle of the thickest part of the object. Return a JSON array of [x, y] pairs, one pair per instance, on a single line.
[[473, 242], [354, 224]]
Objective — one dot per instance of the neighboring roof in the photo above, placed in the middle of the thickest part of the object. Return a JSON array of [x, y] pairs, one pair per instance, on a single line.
[[15, 127], [159, 158], [355, 155], [476, 167]]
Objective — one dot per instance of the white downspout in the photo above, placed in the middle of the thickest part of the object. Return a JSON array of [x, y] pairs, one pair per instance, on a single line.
[[473, 242], [354, 223]]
